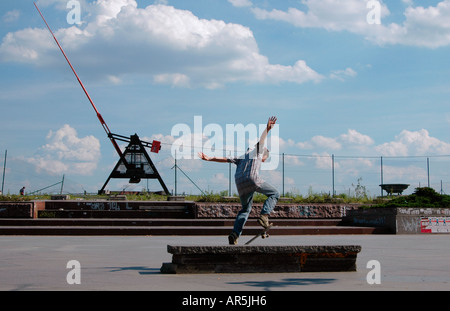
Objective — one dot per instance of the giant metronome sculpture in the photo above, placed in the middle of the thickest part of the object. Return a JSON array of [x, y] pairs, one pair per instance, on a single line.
[[134, 163]]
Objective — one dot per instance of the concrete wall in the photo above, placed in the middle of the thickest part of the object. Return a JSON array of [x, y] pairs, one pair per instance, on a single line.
[[423, 220], [193, 210], [282, 210], [20, 209], [402, 220]]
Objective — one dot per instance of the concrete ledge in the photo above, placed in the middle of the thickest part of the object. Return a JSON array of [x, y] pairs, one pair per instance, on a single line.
[[402, 220], [118, 209], [260, 259], [21, 209], [66, 208], [282, 210]]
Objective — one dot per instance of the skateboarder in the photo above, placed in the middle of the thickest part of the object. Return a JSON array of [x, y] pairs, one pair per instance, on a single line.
[[248, 182]]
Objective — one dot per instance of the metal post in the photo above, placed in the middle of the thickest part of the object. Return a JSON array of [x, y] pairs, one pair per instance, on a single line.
[[381, 175], [229, 179], [175, 173], [62, 185], [428, 171], [4, 167], [283, 173], [332, 171]]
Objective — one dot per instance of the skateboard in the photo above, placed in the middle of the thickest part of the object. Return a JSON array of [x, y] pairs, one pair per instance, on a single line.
[[263, 234]]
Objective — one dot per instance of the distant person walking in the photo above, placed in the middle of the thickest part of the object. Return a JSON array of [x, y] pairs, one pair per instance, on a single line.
[[248, 182], [22, 191]]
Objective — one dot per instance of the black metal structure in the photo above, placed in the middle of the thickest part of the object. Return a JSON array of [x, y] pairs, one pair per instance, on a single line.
[[135, 163]]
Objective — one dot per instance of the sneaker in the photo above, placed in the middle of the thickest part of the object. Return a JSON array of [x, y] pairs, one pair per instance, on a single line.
[[233, 238], [263, 220]]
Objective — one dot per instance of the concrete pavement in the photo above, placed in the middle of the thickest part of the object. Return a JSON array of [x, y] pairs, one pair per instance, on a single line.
[[407, 262]]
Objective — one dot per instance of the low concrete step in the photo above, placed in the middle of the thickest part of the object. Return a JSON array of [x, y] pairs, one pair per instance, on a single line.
[[117, 209], [103, 205], [157, 222], [157, 212], [168, 231], [195, 227]]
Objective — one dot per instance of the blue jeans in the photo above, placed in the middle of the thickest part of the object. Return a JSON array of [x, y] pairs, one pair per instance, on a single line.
[[247, 200]]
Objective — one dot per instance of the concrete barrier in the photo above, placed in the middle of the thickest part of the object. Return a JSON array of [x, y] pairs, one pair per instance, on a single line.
[[21, 209], [260, 259], [402, 220], [281, 210], [118, 206]]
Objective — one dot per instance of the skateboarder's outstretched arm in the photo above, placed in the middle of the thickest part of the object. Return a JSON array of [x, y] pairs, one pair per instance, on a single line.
[[262, 140], [214, 159]]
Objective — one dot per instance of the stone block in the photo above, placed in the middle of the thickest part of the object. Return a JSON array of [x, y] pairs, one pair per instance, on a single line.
[[282, 210], [260, 259]]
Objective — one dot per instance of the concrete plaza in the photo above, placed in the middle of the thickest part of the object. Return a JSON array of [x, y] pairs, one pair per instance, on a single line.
[[27, 263]]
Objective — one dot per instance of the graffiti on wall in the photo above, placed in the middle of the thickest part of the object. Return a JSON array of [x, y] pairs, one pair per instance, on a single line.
[[435, 224]]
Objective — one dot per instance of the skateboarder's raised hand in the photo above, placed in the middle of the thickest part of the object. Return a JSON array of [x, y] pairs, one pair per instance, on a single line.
[[270, 125]]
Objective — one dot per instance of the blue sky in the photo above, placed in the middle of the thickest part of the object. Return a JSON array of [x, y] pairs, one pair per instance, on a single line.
[[338, 84]]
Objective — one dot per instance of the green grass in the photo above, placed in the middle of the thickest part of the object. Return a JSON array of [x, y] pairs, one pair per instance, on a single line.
[[422, 197], [208, 197]]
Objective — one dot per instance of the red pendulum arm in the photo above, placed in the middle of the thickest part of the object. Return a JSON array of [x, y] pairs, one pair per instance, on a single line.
[[99, 116]]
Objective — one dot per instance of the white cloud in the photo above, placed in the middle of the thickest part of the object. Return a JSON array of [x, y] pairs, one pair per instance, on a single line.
[[166, 139], [342, 74], [170, 45], [353, 167], [65, 152], [20, 46], [220, 179], [321, 142], [333, 15], [326, 142], [357, 154], [11, 16], [175, 79], [428, 27], [404, 174], [413, 143], [165, 2], [323, 161], [285, 143], [276, 178], [293, 160], [241, 3], [408, 2], [355, 138], [114, 79], [423, 26], [407, 143]]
